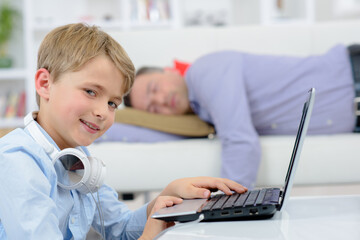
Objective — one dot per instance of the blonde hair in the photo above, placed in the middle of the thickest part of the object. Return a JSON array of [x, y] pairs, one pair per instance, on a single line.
[[69, 47]]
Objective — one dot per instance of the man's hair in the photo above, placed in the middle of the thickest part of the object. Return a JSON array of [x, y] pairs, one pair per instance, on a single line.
[[69, 47], [141, 71]]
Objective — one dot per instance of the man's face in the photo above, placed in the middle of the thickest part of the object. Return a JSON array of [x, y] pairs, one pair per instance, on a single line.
[[160, 92]]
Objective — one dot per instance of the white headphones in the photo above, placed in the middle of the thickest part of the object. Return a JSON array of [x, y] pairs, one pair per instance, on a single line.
[[88, 179]]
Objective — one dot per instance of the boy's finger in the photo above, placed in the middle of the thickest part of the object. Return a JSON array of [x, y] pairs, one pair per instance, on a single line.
[[198, 192], [172, 201], [223, 187], [177, 200], [235, 186]]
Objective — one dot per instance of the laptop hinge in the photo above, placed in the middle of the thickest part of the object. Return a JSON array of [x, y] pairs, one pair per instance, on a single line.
[[281, 198]]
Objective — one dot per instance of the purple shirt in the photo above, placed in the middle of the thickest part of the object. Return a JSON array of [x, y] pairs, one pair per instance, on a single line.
[[247, 95]]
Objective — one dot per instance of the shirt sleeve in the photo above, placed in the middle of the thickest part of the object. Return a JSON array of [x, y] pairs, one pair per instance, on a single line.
[[120, 221], [26, 209], [217, 84]]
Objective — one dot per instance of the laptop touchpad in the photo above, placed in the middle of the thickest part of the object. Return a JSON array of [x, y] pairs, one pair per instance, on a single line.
[[188, 206]]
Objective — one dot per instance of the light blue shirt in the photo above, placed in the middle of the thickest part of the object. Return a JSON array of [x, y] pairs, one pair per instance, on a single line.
[[32, 206], [247, 95]]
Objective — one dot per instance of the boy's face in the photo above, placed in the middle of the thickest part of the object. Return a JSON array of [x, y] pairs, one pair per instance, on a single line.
[[160, 92], [80, 106]]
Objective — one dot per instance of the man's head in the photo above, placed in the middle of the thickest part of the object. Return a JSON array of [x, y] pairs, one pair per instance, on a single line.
[[159, 91], [68, 48]]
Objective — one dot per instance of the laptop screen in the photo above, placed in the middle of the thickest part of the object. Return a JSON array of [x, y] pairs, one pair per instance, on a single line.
[[302, 130]]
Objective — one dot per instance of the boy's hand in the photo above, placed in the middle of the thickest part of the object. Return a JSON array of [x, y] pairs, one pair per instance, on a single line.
[[198, 187], [153, 226]]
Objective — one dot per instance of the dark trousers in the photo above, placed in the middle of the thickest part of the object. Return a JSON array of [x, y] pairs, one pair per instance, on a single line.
[[354, 53]]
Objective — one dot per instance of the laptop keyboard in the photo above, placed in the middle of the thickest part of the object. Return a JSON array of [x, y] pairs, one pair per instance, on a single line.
[[249, 198]]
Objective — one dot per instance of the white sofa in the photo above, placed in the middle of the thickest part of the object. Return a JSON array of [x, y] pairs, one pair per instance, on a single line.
[[139, 167], [133, 167]]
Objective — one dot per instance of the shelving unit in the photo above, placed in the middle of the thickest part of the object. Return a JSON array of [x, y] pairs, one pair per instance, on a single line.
[[41, 16], [12, 74], [13, 80], [115, 14], [287, 11]]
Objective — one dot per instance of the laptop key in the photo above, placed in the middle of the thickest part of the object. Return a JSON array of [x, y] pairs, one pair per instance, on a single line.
[[220, 202], [268, 195], [260, 197], [272, 196], [231, 201], [241, 200], [210, 203], [252, 198], [275, 195]]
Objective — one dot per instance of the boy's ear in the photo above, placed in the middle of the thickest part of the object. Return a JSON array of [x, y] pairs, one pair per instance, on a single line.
[[42, 83]]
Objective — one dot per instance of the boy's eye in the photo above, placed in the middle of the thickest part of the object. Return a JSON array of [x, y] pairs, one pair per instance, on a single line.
[[90, 92], [113, 105]]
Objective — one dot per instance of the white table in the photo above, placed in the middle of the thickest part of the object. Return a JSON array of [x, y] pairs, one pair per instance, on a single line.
[[325, 217]]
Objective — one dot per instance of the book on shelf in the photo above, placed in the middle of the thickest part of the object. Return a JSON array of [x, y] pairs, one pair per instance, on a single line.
[[21, 107], [3, 100], [12, 104], [150, 10]]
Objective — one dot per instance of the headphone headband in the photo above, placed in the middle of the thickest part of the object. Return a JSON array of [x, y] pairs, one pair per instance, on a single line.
[[39, 137]]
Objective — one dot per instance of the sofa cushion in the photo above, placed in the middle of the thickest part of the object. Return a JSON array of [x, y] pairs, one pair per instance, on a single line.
[[189, 125]]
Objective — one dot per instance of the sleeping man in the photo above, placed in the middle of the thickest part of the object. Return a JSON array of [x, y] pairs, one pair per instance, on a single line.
[[246, 95]]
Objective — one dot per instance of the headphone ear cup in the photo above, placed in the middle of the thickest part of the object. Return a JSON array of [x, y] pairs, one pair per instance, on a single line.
[[97, 175], [70, 157]]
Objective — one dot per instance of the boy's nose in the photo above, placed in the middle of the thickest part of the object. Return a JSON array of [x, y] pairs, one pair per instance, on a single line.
[[100, 110]]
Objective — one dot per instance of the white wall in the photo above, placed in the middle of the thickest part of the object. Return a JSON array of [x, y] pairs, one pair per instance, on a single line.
[[161, 47]]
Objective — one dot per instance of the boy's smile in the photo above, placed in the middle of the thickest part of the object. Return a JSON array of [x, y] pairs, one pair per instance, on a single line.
[[80, 106], [92, 128]]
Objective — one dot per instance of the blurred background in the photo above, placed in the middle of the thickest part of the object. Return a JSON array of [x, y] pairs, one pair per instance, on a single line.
[[24, 23]]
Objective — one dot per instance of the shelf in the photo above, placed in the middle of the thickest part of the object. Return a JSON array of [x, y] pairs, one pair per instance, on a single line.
[[46, 27], [112, 25], [11, 122], [152, 25], [12, 74]]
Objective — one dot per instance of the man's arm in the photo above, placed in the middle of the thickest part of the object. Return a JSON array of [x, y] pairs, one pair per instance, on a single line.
[[216, 84], [241, 152]]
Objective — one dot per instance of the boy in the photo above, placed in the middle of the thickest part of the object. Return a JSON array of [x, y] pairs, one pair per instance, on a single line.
[[81, 77]]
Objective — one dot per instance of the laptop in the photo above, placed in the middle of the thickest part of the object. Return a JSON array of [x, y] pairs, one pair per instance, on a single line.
[[255, 204]]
